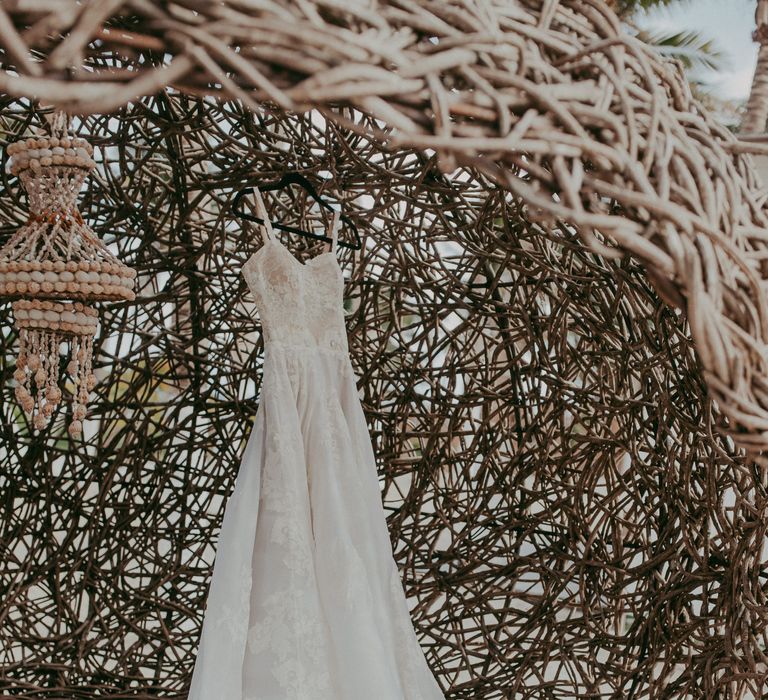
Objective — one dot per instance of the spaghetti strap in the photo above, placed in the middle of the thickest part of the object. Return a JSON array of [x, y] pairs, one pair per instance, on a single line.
[[266, 228], [335, 229]]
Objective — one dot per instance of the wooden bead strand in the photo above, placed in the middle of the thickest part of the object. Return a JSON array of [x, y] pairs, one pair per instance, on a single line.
[[43, 326]]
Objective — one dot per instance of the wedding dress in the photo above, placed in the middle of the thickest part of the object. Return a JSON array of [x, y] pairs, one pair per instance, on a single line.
[[305, 601]]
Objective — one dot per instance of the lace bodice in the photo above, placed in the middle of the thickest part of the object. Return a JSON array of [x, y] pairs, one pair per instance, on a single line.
[[300, 304]]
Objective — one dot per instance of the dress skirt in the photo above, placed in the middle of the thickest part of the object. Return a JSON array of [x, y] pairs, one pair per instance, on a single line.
[[305, 601]]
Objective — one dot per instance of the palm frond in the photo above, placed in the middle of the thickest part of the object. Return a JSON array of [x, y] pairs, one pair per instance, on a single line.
[[627, 8], [691, 48]]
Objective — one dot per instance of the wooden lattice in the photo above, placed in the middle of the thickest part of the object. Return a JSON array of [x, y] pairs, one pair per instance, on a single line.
[[561, 427]]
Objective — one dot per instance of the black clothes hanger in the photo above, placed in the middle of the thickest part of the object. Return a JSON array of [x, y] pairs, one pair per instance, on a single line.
[[285, 181]]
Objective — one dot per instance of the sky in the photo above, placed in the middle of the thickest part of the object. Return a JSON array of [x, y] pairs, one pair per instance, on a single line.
[[730, 24]]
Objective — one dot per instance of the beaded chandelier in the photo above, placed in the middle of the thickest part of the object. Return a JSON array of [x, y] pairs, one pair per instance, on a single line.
[[51, 268]]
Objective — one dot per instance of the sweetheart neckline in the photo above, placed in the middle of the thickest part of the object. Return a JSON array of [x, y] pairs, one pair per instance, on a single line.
[[300, 263]]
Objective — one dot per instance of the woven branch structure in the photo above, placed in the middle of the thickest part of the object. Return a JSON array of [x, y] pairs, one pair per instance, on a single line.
[[558, 320]]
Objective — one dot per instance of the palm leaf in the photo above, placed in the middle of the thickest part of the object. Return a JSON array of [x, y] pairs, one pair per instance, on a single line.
[[691, 48], [627, 8]]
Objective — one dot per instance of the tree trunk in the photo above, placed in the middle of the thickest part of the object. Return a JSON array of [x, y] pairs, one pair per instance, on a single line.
[[757, 107]]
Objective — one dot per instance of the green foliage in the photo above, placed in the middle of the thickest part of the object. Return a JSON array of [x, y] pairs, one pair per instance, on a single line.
[[691, 48], [697, 53], [627, 8]]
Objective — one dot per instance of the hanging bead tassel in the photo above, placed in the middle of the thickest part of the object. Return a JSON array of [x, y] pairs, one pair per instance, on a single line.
[[84, 382], [43, 327], [22, 374]]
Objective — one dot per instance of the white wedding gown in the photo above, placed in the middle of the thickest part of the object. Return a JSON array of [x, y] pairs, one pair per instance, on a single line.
[[305, 601]]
